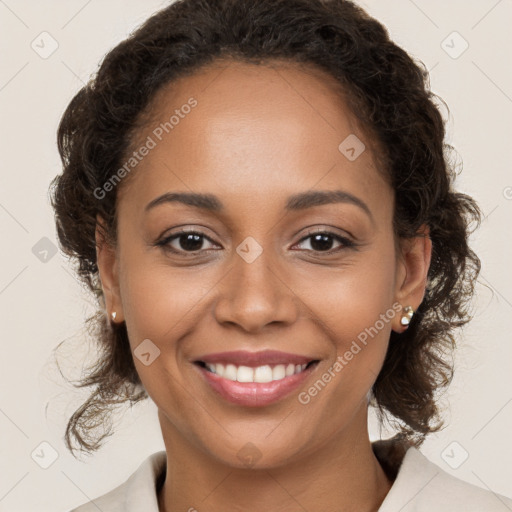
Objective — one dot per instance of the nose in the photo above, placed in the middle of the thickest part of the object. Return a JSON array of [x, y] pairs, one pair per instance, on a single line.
[[254, 295]]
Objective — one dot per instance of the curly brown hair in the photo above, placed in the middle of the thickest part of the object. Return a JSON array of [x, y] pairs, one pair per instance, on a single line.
[[385, 88]]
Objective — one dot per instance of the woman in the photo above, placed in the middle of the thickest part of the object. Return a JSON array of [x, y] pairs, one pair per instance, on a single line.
[[258, 194]]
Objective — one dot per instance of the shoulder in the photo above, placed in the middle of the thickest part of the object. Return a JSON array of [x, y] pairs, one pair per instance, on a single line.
[[137, 493], [422, 486]]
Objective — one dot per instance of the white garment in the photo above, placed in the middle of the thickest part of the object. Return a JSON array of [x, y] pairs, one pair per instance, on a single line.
[[420, 486]]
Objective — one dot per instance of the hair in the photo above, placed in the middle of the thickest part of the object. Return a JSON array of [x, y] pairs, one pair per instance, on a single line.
[[385, 88]]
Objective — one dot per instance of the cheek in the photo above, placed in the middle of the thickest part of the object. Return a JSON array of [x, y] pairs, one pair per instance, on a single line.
[[160, 304], [353, 297], [355, 308], [158, 301]]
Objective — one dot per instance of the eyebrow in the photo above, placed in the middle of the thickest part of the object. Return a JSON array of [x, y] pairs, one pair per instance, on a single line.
[[295, 202]]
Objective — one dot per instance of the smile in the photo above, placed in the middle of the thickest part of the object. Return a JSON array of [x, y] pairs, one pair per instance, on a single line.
[[261, 374], [254, 379]]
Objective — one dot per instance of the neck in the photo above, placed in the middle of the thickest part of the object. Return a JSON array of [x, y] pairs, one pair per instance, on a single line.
[[343, 474]]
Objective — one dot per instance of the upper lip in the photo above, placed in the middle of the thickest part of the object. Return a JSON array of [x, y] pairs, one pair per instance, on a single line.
[[254, 359]]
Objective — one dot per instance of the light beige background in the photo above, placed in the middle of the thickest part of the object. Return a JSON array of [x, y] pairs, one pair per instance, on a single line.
[[41, 303]]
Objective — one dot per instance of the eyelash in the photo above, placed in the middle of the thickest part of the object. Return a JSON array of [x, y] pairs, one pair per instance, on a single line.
[[165, 242]]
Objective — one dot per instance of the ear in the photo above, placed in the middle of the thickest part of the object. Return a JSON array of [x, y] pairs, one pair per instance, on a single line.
[[108, 268], [412, 270]]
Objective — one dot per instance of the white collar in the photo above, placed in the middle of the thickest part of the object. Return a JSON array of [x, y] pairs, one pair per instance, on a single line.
[[419, 486]]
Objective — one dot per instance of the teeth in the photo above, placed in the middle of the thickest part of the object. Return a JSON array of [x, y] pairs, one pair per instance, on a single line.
[[230, 372], [244, 374], [290, 369], [261, 374], [279, 372]]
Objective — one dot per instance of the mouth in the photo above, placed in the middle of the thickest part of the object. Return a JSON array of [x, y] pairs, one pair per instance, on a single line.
[[263, 378], [258, 374]]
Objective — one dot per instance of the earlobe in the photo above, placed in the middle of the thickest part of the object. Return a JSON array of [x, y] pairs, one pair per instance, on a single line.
[[108, 272], [412, 278]]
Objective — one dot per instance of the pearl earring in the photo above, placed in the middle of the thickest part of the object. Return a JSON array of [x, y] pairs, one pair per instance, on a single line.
[[114, 314], [406, 317]]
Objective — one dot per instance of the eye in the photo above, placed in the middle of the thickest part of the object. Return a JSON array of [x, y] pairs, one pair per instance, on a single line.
[[191, 242], [187, 241], [320, 241]]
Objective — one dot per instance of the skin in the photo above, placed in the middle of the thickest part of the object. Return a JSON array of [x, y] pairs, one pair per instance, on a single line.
[[258, 135]]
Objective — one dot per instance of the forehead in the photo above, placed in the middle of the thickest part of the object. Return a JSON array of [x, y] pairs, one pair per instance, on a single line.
[[255, 132]]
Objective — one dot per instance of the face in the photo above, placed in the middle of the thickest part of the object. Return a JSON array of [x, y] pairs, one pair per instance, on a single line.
[[261, 268]]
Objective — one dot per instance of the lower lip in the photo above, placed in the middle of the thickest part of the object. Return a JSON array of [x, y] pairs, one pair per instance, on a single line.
[[255, 394]]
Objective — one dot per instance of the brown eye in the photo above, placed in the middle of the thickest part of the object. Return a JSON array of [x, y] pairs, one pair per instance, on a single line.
[[187, 241], [322, 241]]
